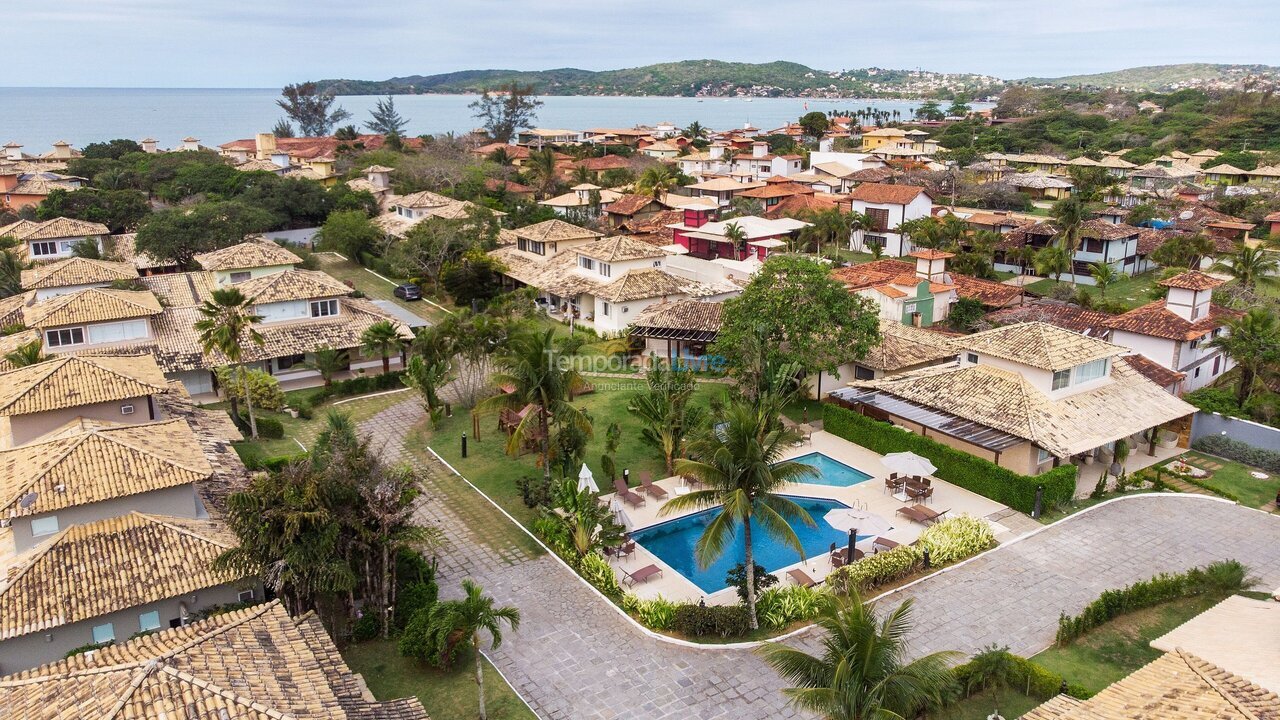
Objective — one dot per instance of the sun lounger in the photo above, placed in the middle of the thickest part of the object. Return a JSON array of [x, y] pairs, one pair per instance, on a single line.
[[643, 574], [800, 578], [883, 543], [691, 481], [646, 482], [921, 514], [631, 498]]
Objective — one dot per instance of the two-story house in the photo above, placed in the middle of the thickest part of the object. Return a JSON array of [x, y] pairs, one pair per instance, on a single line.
[[1176, 332], [251, 259], [405, 211], [62, 277], [700, 237], [95, 316], [919, 295], [887, 206], [54, 239]]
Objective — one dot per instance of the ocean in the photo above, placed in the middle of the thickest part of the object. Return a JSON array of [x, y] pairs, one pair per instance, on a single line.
[[38, 117]]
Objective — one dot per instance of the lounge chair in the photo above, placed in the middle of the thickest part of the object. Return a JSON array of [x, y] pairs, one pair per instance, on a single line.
[[883, 543], [646, 483], [631, 498], [800, 578], [643, 574], [921, 514], [691, 481]]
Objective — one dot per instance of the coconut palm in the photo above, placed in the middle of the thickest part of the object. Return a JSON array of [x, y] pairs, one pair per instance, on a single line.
[[1103, 276], [863, 672], [1069, 214], [734, 233], [695, 131], [469, 617], [328, 362], [26, 354], [1253, 341], [828, 225], [656, 181], [542, 171], [1250, 265], [1052, 260], [226, 323], [381, 338], [738, 460], [665, 411]]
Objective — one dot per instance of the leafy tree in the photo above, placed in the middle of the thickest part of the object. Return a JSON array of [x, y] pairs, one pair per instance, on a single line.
[[737, 578], [311, 109], [350, 233], [294, 202], [225, 325], [87, 249], [347, 133], [386, 120], [181, 233], [814, 124], [608, 461], [11, 268], [1184, 251], [1253, 341], [959, 108], [738, 460], [542, 172], [426, 378], [1069, 214], [664, 409], [112, 149], [830, 225], [965, 314], [695, 131], [1103, 276], [1141, 213], [381, 338], [283, 129], [26, 354], [1053, 260], [930, 110], [513, 108], [863, 672], [477, 276], [1251, 266], [213, 180], [434, 243], [119, 210], [657, 180]]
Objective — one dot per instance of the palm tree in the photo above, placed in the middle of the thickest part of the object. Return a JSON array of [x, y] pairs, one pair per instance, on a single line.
[[734, 233], [665, 411], [328, 362], [531, 364], [1103, 276], [656, 181], [1052, 260], [226, 322], [468, 617], [830, 225], [738, 460], [695, 131], [1069, 214], [1250, 265], [1253, 341], [381, 337], [541, 168], [11, 267], [862, 673], [858, 222], [26, 354]]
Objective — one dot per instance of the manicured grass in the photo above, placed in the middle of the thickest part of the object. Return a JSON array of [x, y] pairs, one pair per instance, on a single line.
[[1130, 292], [378, 289], [304, 431], [446, 695], [1010, 703], [1235, 481]]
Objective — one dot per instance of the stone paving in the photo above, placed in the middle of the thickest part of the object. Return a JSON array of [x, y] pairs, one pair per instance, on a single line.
[[576, 657]]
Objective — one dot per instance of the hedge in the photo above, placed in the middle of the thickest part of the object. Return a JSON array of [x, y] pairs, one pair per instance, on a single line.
[[1033, 680], [268, 427], [951, 540], [955, 466], [358, 385], [1240, 452]]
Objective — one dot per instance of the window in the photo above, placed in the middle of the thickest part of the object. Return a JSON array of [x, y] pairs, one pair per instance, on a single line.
[[284, 363], [239, 277], [604, 309], [1042, 456], [44, 248], [126, 409], [104, 633], [879, 219], [606, 269], [971, 358], [531, 246], [873, 241], [44, 526], [149, 621], [1061, 379], [324, 308], [862, 373], [658, 263], [1197, 373], [1090, 371], [66, 336], [586, 262], [245, 596], [1195, 344]]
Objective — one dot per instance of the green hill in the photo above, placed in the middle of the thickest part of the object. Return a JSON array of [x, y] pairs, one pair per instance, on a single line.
[[1165, 78]]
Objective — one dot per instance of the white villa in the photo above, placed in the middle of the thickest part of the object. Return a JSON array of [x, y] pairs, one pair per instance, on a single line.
[[888, 206]]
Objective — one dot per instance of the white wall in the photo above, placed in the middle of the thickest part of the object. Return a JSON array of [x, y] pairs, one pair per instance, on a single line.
[[223, 277], [46, 293], [118, 331], [1158, 350]]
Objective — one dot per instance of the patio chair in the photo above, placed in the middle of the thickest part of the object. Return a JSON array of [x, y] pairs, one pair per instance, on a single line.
[[646, 482], [837, 559], [883, 543], [631, 498], [925, 494], [799, 577], [642, 575], [921, 514], [626, 549], [892, 484]]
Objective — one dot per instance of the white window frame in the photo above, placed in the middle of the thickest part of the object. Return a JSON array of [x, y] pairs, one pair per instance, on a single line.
[[41, 526], [245, 596], [586, 263], [606, 269], [127, 409], [1061, 379], [1042, 456], [604, 309], [50, 247], [1085, 373], [106, 637], [144, 626], [324, 308]]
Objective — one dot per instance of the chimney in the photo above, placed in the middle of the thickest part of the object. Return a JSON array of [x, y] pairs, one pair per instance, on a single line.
[[280, 158], [379, 177], [13, 151], [717, 151], [149, 145], [190, 144], [759, 149], [265, 144], [62, 150]]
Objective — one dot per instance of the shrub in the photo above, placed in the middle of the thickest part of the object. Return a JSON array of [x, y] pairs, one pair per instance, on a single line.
[[737, 577], [263, 388], [268, 427], [872, 571], [367, 625], [1214, 399], [955, 466], [711, 620], [1221, 446], [359, 385], [597, 571], [534, 491], [951, 540], [415, 596], [655, 614], [996, 666], [956, 538], [88, 647], [780, 606]]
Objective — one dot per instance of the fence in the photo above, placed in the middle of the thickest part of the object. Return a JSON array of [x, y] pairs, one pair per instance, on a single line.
[[1245, 431]]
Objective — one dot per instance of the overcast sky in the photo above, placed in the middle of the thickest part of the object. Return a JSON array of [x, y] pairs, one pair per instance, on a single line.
[[266, 43]]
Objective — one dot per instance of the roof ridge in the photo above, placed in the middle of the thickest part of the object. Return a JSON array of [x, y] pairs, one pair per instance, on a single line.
[[251, 613], [218, 690], [113, 431], [143, 672], [158, 520], [1189, 659], [70, 444]]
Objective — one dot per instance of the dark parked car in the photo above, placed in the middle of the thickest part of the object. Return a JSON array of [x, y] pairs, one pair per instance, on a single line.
[[408, 291]]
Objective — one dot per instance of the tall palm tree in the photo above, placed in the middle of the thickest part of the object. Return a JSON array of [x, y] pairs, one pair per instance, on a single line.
[[665, 411], [542, 172], [1253, 341], [695, 131], [1069, 214], [858, 222], [862, 673], [468, 617], [11, 267], [26, 354], [1250, 265], [381, 338], [1103, 276], [656, 181], [1052, 260], [532, 365], [734, 233], [830, 225], [738, 460], [226, 323]]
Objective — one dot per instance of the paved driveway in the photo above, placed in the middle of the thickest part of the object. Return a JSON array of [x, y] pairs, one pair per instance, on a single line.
[[576, 657]]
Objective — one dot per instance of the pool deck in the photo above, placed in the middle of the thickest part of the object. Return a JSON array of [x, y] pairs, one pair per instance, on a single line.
[[870, 495]]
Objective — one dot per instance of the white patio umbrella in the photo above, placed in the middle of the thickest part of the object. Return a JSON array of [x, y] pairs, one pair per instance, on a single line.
[[587, 481], [908, 463], [866, 523]]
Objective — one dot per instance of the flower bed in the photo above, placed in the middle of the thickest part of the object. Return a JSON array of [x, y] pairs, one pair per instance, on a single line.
[[949, 541]]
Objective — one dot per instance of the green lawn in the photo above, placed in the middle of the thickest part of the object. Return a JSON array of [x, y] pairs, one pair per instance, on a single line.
[[1234, 480], [450, 695], [300, 430], [1128, 291], [1010, 703], [378, 289]]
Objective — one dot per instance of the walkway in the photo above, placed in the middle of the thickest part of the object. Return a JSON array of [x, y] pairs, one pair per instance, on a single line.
[[575, 657]]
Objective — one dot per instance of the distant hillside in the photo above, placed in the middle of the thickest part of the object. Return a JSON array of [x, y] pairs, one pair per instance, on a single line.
[[711, 78], [1167, 78]]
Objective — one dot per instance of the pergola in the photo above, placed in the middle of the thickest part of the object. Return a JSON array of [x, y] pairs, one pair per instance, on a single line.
[[881, 405]]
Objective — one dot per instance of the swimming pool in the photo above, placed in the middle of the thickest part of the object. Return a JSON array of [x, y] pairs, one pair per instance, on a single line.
[[673, 543], [831, 472]]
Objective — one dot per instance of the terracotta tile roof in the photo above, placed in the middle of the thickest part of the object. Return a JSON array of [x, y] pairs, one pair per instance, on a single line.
[[97, 568], [555, 230], [511, 186], [76, 271], [686, 314], [292, 285], [988, 292], [619, 248], [1153, 371], [1273, 217], [180, 289], [1040, 345], [931, 254], [876, 272], [1156, 320], [657, 283], [514, 152], [54, 229], [101, 465], [243, 256], [600, 164], [1100, 229], [75, 381], [1054, 312], [629, 205], [1151, 238], [802, 205], [11, 309], [10, 343], [124, 248], [251, 664], [1192, 280], [887, 194], [906, 346], [90, 306], [41, 184]]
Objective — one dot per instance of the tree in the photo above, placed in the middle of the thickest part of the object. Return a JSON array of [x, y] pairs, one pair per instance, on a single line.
[[657, 180], [311, 109], [225, 325], [612, 438], [830, 225], [1069, 215], [113, 149], [930, 110], [381, 338], [862, 673], [476, 276], [1184, 251], [512, 108], [959, 108], [426, 378], [580, 520], [120, 210], [11, 267], [965, 314], [1250, 265], [434, 243], [738, 459], [814, 124], [664, 409], [86, 248], [463, 620], [179, 234], [1253, 341], [737, 237], [695, 131], [1103, 276], [1052, 260], [28, 353], [385, 120], [542, 171], [283, 129], [329, 362], [350, 233]]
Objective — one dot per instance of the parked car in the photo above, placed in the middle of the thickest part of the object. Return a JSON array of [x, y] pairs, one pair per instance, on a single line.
[[408, 291]]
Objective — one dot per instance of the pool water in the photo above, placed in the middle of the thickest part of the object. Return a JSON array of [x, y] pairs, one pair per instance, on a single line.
[[673, 543], [831, 472]]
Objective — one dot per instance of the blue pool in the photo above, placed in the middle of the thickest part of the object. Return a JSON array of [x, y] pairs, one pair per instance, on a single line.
[[831, 472], [673, 542]]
